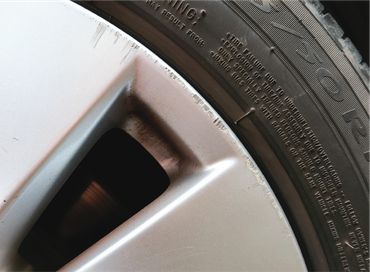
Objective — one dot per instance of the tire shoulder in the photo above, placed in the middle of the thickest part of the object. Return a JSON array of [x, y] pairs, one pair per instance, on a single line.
[[336, 32]]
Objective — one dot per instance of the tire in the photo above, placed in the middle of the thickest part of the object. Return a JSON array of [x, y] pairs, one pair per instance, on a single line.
[[295, 94], [280, 75]]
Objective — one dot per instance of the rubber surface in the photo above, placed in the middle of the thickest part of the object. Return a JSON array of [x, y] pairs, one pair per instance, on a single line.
[[292, 91]]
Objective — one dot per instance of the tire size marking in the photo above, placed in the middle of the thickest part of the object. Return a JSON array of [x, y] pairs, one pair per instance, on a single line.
[[323, 75]]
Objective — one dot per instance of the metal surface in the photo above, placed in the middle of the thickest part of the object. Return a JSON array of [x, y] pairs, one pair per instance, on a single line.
[[67, 77]]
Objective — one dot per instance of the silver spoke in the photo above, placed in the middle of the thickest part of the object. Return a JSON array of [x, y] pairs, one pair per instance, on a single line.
[[214, 220], [83, 76]]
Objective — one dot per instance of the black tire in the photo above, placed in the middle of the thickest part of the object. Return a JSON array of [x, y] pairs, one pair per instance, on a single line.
[[309, 131]]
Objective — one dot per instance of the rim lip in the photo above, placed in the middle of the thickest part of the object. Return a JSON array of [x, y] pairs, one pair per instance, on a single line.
[[21, 191]]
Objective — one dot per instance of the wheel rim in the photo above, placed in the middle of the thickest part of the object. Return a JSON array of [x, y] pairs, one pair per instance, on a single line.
[[218, 213]]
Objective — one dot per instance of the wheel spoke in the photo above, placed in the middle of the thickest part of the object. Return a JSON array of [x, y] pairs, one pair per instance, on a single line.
[[213, 220]]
